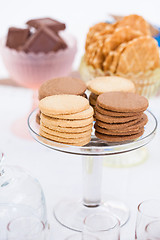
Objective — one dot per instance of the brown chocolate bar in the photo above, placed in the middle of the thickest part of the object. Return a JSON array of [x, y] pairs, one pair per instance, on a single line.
[[43, 40], [17, 37], [46, 22]]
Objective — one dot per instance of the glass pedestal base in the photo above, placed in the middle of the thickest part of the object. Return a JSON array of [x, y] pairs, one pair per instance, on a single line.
[[72, 214]]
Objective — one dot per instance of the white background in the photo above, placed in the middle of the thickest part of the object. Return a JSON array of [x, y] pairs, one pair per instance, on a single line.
[[60, 174], [79, 15]]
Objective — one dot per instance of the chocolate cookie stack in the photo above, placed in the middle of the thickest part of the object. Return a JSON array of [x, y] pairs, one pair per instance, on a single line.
[[120, 116], [66, 119]]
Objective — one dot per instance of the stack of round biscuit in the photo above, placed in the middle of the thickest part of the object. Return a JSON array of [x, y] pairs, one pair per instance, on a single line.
[[62, 85], [66, 119], [101, 85], [120, 116]]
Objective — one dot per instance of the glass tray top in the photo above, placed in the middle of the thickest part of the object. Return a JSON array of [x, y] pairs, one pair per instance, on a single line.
[[96, 146]]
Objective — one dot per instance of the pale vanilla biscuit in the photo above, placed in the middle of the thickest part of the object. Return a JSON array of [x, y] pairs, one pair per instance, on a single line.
[[63, 104], [80, 115], [66, 135], [69, 129], [77, 142], [49, 122], [101, 85]]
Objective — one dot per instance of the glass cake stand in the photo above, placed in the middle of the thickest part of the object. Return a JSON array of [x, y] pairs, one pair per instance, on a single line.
[[72, 213]]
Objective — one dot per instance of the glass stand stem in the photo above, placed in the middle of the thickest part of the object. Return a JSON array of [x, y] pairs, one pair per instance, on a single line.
[[92, 178]]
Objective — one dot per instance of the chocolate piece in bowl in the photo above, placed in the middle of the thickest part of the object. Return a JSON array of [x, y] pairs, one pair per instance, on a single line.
[[17, 37], [44, 40], [37, 60], [46, 22]]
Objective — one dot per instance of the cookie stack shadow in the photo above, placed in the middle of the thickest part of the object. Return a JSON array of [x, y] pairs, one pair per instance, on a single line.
[[120, 116], [66, 119]]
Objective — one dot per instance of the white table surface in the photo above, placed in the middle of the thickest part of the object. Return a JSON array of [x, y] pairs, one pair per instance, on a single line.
[[60, 173]]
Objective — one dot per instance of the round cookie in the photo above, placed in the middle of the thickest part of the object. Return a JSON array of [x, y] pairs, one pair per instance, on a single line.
[[122, 102], [63, 104], [80, 115], [63, 85], [110, 138], [92, 101], [75, 142], [110, 119], [115, 114], [132, 124], [93, 96], [119, 132], [49, 122], [101, 85], [66, 135], [69, 129]]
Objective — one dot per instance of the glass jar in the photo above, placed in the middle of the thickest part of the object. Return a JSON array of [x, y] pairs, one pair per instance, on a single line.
[[20, 194]]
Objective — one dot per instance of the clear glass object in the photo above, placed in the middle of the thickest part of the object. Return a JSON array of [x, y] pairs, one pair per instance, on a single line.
[[99, 227], [148, 211], [71, 213], [152, 230], [26, 228], [20, 194]]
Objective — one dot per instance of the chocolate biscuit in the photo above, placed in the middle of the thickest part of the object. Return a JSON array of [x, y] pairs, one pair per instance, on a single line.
[[110, 119], [122, 102], [115, 114], [122, 132], [110, 138], [92, 101], [120, 126], [63, 85]]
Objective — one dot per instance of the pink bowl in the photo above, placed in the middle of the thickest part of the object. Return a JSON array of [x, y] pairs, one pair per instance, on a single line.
[[30, 69]]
